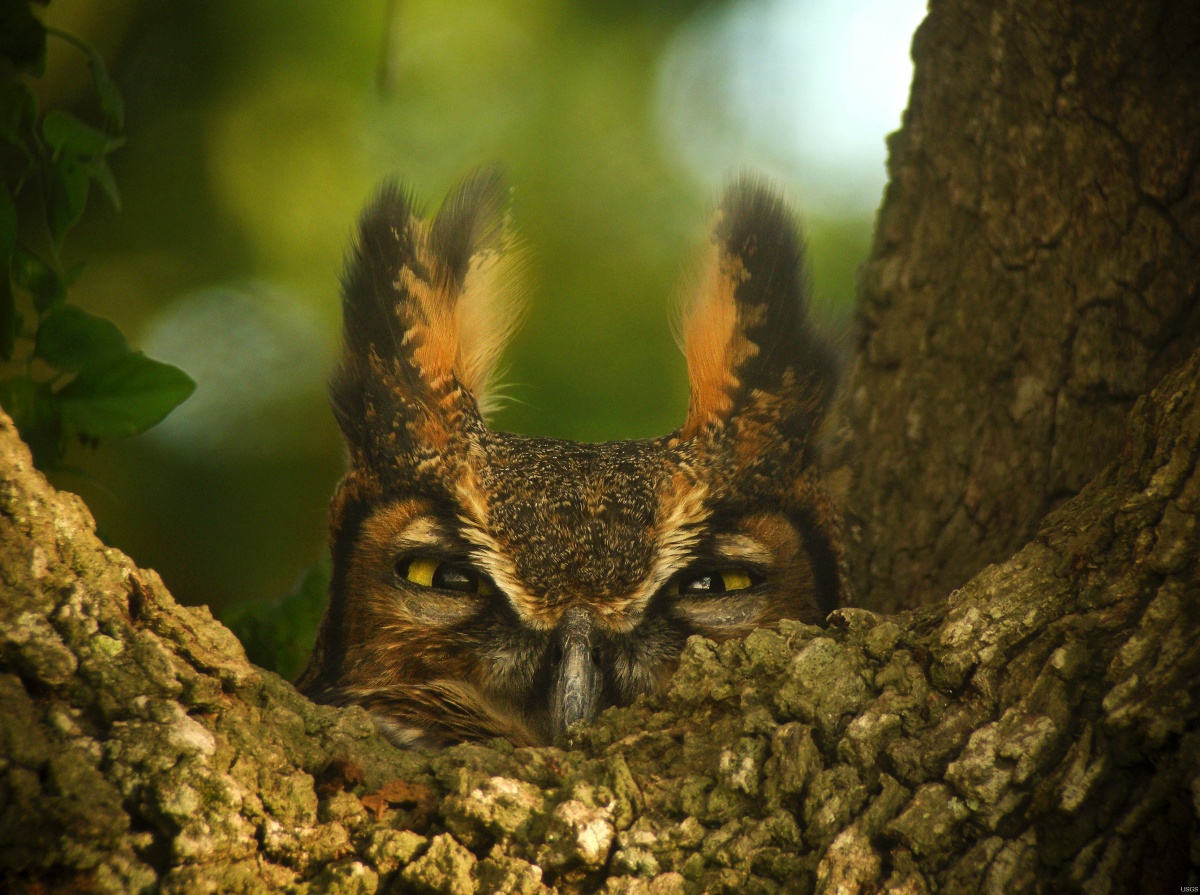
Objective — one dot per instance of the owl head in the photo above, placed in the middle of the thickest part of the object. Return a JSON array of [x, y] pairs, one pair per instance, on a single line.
[[490, 584]]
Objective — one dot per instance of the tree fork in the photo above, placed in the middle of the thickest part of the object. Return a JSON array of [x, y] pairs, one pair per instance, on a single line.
[[1035, 732]]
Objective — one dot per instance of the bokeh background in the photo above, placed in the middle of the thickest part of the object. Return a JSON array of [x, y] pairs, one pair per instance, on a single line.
[[258, 128]]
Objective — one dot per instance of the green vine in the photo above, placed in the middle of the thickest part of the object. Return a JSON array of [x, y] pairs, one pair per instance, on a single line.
[[64, 373]]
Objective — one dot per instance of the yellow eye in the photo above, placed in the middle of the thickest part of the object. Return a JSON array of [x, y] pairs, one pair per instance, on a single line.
[[454, 575], [721, 581]]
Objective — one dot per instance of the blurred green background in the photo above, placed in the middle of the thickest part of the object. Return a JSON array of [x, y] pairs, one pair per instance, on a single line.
[[257, 129]]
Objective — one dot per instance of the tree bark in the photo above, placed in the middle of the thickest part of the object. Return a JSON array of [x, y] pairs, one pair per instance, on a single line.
[[1036, 268], [1036, 732]]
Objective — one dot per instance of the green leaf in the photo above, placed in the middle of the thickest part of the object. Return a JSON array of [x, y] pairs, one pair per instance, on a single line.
[[43, 284], [10, 321], [18, 111], [8, 226], [102, 176], [123, 396], [72, 273], [37, 418], [65, 184], [111, 102], [22, 37], [17, 397], [279, 634], [8, 305], [66, 133], [70, 338]]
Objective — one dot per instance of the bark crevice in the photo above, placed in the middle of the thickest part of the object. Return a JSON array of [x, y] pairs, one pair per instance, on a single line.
[[1036, 268]]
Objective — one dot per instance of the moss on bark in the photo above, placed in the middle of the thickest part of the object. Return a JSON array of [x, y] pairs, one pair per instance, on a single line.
[[1036, 732]]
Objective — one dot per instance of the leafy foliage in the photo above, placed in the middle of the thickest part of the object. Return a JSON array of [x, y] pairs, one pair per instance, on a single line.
[[278, 634], [63, 372]]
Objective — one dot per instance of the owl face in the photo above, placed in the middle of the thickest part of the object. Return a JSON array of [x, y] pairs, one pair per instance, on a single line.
[[489, 584]]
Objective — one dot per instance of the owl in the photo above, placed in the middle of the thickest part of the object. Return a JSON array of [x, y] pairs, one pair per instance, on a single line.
[[487, 584]]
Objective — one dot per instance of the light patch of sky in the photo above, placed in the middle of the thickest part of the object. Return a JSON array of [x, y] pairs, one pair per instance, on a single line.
[[805, 90]]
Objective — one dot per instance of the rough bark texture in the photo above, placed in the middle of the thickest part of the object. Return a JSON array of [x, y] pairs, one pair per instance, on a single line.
[[1036, 732], [1036, 268]]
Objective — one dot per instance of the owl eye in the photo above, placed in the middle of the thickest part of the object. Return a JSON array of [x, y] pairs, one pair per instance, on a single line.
[[455, 575], [720, 581]]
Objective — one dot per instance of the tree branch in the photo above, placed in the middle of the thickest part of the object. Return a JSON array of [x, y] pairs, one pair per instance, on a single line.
[[1037, 731]]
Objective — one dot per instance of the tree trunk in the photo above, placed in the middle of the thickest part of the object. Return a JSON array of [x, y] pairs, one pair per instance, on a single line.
[[1035, 269]]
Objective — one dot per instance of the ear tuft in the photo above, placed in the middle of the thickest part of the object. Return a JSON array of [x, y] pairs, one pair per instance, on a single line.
[[747, 335], [427, 309], [473, 236]]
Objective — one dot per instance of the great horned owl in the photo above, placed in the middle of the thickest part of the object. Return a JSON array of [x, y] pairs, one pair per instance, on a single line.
[[489, 584]]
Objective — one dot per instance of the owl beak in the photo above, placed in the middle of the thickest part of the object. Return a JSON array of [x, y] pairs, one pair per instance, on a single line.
[[575, 692]]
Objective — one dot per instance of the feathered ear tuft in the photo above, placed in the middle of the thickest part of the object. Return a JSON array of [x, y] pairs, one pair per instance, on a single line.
[[750, 346], [427, 309], [474, 236]]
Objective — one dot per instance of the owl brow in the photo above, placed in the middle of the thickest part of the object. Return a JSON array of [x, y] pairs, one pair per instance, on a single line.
[[427, 531], [732, 547], [742, 548], [487, 556], [676, 545], [490, 555]]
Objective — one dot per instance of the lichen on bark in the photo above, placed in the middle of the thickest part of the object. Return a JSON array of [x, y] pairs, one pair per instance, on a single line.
[[1035, 732]]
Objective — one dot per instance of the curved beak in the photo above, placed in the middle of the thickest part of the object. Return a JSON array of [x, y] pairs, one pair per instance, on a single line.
[[577, 681]]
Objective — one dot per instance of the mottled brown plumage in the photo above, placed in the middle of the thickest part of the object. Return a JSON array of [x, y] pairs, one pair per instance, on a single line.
[[489, 584]]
